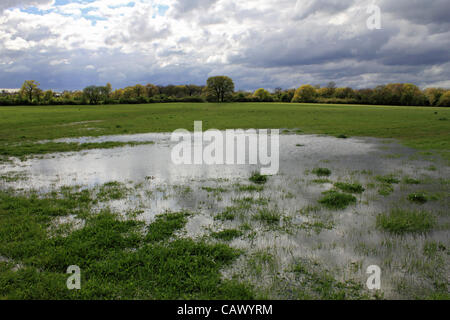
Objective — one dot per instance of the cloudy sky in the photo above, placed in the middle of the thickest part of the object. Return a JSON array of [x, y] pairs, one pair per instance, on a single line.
[[69, 44]]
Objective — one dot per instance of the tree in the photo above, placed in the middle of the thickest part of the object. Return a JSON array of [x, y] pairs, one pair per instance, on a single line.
[[193, 90], [48, 96], [262, 94], [305, 93], [434, 95], [93, 94], [139, 90], [444, 101], [411, 95], [330, 89], [29, 89], [220, 87], [151, 90]]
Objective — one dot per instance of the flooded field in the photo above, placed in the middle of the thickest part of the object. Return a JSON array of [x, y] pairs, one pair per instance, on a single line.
[[311, 231]]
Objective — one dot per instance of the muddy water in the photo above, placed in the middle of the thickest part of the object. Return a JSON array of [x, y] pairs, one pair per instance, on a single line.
[[157, 185]]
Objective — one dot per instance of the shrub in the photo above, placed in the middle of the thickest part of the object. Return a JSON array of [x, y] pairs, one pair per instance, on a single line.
[[305, 93]]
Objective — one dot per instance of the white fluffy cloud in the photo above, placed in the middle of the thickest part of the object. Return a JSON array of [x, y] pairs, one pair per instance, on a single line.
[[260, 43]]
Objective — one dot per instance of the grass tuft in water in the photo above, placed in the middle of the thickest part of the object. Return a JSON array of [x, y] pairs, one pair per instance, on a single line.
[[267, 216], [322, 172], [418, 198], [112, 191], [336, 200], [385, 189], [389, 179], [258, 178], [408, 180], [350, 187], [400, 221], [165, 225], [227, 235]]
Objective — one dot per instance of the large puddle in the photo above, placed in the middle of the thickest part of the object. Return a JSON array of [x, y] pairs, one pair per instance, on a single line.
[[157, 185]]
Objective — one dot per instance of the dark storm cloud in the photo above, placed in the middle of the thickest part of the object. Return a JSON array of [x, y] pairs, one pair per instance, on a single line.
[[420, 11], [259, 43]]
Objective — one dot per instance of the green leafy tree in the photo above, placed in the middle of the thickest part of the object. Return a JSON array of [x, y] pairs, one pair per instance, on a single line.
[[444, 101], [220, 87], [434, 95], [305, 93], [29, 89], [93, 94], [262, 94]]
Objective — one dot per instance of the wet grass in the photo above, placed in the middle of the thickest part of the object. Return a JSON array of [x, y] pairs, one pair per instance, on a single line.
[[112, 191], [165, 225], [119, 259], [321, 181], [322, 172], [408, 180], [317, 283], [336, 200], [22, 150], [356, 188], [250, 188], [14, 176], [419, 127], [267, 216], [227, 235], [418, 197], [228, 215], [258, 178], [389, 179], [401, 221], [385, 189]]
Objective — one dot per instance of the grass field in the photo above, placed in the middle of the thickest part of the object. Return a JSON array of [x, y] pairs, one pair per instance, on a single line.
[[397, 219], [418, 127]]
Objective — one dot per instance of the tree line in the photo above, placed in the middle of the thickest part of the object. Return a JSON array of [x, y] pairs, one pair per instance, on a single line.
[[221, 89]]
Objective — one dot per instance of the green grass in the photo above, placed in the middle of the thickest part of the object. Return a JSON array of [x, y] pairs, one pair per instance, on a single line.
[[227, 235], [228, 215], [350, 187], [336, 200], [250, 188], [258, 178], [408, 180], [316, 283], [418, 197], [119, 259], [400, 221], [112, 191], [385, 189], [389, 179], [267, 216], [26, 149], [416, 127], [322, 172], [165, 225]]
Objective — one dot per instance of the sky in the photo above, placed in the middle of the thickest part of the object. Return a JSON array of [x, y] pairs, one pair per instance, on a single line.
[[70, 44]]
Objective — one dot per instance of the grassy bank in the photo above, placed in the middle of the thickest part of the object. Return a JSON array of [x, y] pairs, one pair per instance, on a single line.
[[419, 127]]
